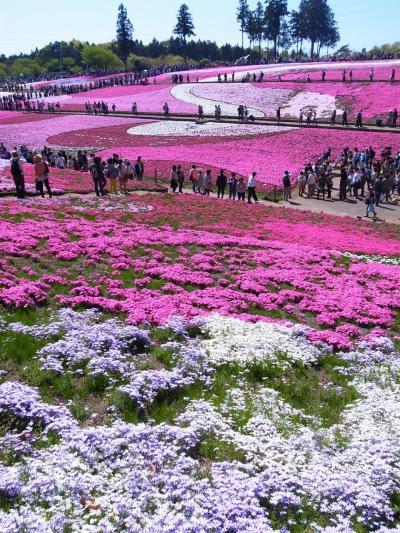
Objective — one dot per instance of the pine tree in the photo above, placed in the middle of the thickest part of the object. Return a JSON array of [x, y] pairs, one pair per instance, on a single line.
[[184, 27], [242, 15], [275, 12], [124, 41]]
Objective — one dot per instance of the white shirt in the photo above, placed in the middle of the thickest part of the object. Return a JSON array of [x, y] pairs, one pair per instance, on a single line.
[[252, 181]]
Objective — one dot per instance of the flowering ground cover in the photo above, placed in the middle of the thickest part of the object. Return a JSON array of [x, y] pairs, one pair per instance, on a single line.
[[371, 98], [270, 155], [175, 363], [35, 136]]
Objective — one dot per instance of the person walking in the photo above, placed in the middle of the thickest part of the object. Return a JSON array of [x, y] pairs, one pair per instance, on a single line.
[[17, 172], [221, 184], [41, 175], [241, 190], [370, 205], [251, 188], [359, 120], [287, 186], [333, 118]]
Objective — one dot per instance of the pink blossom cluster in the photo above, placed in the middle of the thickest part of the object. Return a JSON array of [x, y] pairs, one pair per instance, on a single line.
[[232, 260]]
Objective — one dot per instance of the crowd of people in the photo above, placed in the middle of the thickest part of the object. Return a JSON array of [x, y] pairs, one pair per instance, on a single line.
[[363, 176]]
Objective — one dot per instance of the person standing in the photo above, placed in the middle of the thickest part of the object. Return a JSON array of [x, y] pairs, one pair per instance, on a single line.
[[17, 172], [42, 175], [221, 184], [278, 116], [181, 178], [312, 180], [286, 186], [207, 183], [251, 188], [174, 179], [232, 186], [302, 181], [343, 183], [359, 120], [97, 173], [123, 176], [344, 118], [323, 75], [395, 116], [139, 169], [193, 176], [321, 186], [200, 182], [112, 174], [333, 118], [166, 109], [393, 75], [378, 187]]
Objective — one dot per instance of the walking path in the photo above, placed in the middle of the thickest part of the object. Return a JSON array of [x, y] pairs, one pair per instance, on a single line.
[[270, 121]]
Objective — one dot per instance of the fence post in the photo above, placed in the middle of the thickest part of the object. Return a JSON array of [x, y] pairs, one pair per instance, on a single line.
[[155, 176]]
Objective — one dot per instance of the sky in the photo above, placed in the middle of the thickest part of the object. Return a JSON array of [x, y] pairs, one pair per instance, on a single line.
[[362, 23]]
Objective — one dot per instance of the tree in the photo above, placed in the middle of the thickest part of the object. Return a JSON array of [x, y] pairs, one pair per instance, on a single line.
[[124, 41], [259, 25], [251, 28], [99, 57], [318, 22], [242, 14], [275, 12], [296, 29], [24, 66], [184, 26]]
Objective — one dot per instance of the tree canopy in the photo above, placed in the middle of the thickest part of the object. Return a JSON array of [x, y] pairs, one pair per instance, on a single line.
[[124, 40]]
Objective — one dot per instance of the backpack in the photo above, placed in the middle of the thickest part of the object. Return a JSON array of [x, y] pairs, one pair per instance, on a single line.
[[46, 168], [15, 168], [286, 181]]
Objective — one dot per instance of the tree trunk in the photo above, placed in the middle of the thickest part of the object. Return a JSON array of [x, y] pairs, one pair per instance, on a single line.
[[243, 40], [275, 46], [312, 49]]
